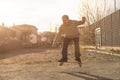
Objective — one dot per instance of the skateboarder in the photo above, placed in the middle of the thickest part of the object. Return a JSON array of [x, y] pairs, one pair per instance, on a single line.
[[70, 32]]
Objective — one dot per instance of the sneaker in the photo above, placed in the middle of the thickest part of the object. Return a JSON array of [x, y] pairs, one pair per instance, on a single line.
[[78, 59], [62, 60]]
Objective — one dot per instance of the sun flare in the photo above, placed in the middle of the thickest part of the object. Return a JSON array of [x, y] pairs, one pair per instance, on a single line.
[[41, 13]]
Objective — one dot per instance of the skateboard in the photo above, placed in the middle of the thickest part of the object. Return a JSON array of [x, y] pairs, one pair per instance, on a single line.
[[79, 63]]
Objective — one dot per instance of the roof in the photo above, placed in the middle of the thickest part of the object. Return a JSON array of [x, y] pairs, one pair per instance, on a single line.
[[24, 27]]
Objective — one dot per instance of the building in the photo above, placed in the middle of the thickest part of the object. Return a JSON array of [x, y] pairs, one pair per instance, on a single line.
[[7, 39], [26, 33]]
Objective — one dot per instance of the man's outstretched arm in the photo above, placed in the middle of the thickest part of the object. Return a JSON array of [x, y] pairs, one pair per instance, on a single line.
[[57, 37], [82, 21]]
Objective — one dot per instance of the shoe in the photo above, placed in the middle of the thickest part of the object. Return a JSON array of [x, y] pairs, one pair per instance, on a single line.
[[78, 59], [62, 60]]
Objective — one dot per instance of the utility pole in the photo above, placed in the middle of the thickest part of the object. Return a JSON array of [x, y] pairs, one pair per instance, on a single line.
[[114, 5]]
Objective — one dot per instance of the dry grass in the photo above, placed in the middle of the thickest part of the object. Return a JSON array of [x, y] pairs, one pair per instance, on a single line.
[[41, 64]]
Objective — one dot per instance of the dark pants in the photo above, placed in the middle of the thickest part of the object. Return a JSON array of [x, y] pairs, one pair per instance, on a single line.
[[66, 42]]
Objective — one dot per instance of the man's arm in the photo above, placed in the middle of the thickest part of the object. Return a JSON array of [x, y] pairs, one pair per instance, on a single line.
[[82, 21], [58, 37]]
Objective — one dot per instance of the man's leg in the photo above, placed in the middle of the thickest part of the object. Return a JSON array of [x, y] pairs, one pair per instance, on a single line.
[[77, 49], [64, 50]]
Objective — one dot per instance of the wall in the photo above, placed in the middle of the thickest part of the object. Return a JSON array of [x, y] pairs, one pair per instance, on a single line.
[[110, 29]]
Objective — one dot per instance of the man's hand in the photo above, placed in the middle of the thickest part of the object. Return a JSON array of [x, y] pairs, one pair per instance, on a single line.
[[83, 19], [53, 45]]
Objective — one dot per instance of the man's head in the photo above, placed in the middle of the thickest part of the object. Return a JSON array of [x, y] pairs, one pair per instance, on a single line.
[[65, 19]]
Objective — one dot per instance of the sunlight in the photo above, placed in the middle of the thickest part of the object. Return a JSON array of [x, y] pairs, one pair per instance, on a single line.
[[40, 13]]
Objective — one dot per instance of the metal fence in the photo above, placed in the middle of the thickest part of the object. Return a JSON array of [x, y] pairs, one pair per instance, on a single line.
[[109, 30]]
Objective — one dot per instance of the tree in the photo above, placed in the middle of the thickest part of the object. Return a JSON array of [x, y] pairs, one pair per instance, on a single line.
[[93, 10]]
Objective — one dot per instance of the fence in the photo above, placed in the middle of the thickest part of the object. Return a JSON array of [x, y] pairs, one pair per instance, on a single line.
[[109, 30]]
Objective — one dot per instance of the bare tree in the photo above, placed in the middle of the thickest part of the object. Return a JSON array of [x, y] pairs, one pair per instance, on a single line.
[[93, 10]]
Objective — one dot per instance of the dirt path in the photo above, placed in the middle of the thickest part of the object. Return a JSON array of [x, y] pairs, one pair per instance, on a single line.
[[41, 64]]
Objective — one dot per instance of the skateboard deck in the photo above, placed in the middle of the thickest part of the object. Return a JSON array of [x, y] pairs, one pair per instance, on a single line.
[[79, 63]]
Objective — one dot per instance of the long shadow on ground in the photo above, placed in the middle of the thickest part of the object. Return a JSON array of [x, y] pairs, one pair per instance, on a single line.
[[86, 76]]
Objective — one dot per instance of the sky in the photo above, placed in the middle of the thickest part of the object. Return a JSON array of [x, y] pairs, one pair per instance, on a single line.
[[43, 14]]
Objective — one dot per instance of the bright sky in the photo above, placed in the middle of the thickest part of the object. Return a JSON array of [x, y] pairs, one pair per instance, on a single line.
[[41, 13], [44, 14]]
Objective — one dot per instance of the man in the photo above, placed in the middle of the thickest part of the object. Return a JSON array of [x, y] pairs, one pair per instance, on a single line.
[[70, 32]]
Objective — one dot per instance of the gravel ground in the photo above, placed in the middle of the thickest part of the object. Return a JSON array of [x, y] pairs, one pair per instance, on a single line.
[[41, 64]]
